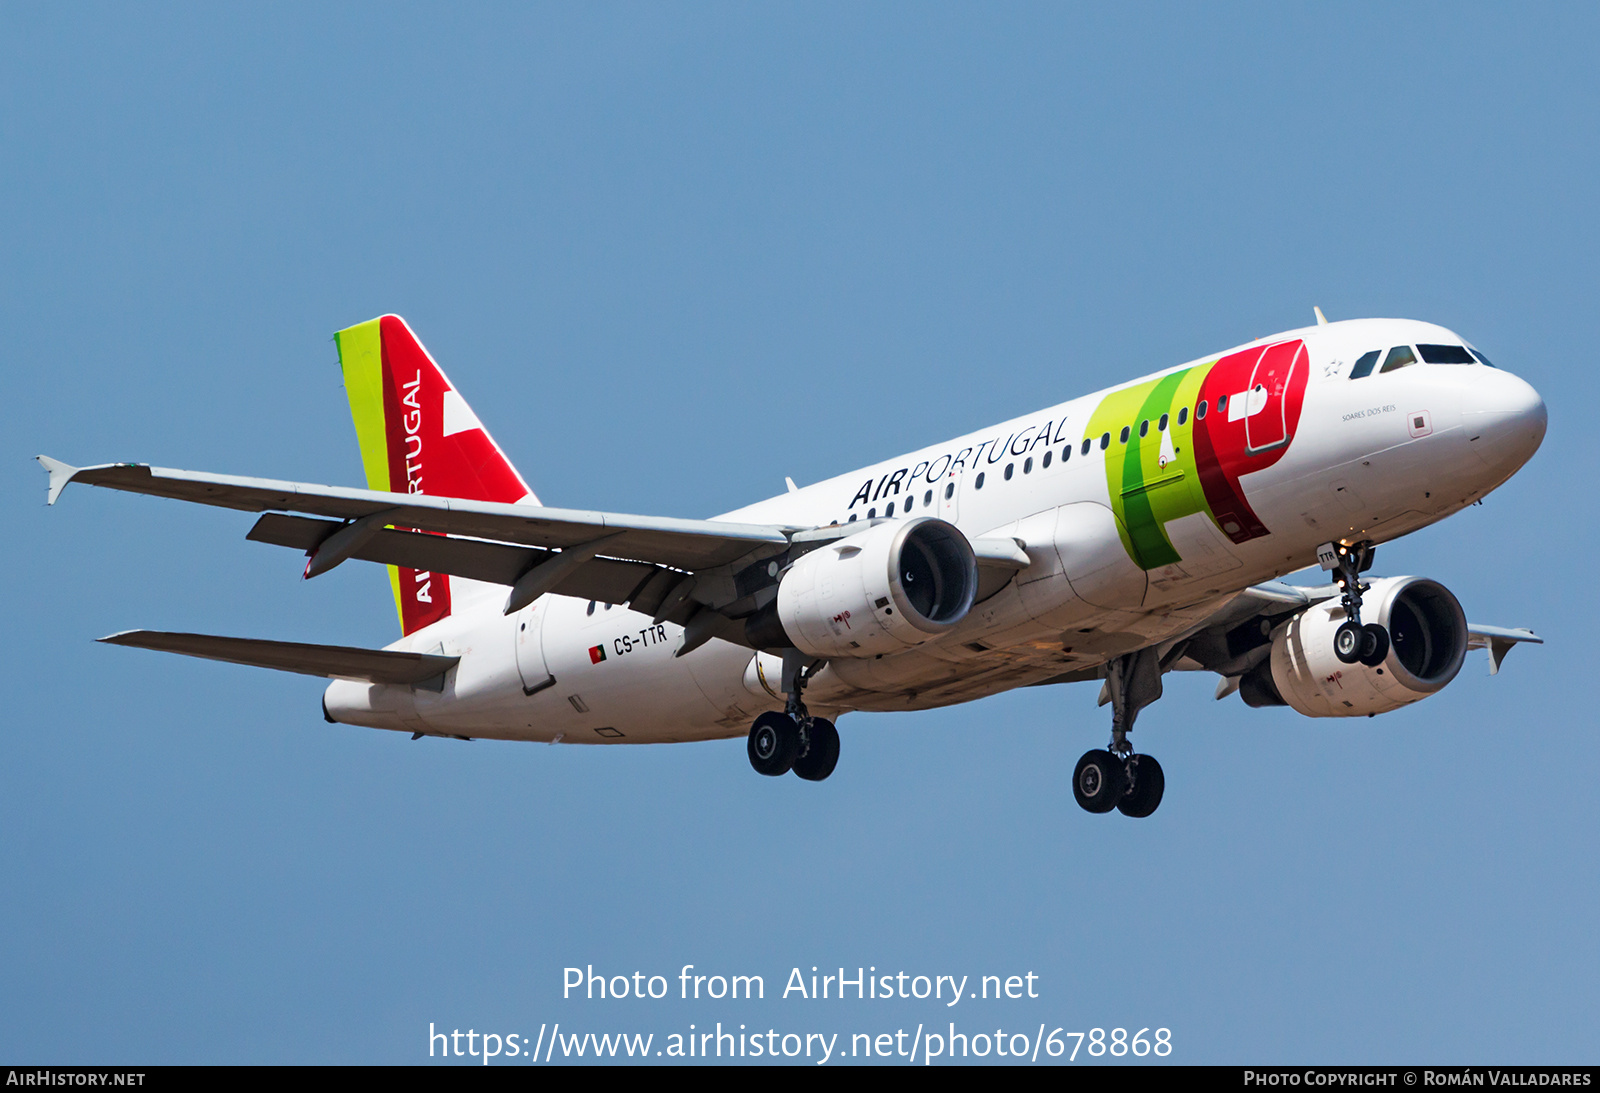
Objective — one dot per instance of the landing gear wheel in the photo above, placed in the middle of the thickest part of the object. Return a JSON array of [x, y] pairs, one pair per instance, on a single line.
[[1348, 642], [774, 743], [1098, 781], [1375, 644], [1144, 796], [823, 753]]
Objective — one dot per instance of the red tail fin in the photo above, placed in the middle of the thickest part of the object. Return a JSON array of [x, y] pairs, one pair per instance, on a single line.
[[418, 435]]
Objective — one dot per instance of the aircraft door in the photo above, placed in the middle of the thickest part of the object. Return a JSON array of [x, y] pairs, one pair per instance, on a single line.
[[1266, 424], [531, 664], [950, 495]]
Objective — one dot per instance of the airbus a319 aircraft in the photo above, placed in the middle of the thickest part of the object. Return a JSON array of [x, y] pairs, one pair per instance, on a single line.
[[1114, 538]]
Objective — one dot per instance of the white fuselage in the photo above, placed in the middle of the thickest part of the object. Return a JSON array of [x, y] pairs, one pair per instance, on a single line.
[[1370, 458]]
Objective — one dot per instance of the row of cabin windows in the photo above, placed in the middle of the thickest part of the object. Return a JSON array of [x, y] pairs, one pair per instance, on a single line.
[[1161, 424], [1049, 457], [1066, 453], [977, 484], [1403, 356], [1027, 466]]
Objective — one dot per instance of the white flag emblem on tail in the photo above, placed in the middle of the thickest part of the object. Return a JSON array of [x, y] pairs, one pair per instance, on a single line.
[[458, 416]]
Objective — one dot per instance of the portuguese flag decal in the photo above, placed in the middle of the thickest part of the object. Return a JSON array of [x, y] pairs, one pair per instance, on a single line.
[[597, 653]]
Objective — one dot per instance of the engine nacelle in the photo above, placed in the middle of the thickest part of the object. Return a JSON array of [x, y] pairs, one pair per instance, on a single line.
[[1427, 644], [883, 590]]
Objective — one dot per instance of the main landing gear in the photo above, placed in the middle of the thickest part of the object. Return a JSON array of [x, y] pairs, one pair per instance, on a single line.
[[1115, 777], [1352, 642], [794, 740]]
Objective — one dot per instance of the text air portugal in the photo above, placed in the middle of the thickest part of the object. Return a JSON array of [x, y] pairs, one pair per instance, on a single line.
[[418, 436]]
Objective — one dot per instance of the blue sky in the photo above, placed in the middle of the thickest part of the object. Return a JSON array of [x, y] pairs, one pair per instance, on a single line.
[[672, 253]]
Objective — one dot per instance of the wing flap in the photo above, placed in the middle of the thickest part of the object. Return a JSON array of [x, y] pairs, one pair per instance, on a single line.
[[328, 661], [608, 580]]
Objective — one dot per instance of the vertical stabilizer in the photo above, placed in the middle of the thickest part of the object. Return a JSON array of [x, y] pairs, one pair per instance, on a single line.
[[418, 435]]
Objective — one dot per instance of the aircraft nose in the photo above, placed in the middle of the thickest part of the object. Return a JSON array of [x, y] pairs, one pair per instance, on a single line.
[[1505, 420]]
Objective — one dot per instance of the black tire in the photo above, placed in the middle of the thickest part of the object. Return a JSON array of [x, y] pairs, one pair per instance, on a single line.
[[1348, 642], [1098, 781], [774, 742], [1149, 783], [823, 754], [1376, 646]]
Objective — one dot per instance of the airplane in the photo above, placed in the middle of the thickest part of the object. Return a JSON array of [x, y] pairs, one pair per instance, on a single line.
[[1132, 532]]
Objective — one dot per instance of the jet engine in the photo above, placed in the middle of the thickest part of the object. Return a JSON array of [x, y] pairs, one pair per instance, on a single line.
[[1427, 644], [883, 590]]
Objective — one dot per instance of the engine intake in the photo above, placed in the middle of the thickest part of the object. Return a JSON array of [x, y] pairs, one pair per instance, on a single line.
[[1427, 645], [883, 590]]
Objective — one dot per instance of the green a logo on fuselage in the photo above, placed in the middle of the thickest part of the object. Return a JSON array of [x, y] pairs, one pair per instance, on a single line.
[[1179, 444]]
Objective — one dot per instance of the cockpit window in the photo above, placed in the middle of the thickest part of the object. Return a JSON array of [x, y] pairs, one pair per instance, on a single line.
[[1399, 357], [1481, 358], [1363, 367], [1444, 354]]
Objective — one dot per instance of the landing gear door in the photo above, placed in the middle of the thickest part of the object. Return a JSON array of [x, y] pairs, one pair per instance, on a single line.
[[1266, 423], [530, 648]]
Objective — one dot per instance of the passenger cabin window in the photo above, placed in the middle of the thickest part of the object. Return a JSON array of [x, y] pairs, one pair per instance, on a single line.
[[1066, 453], [1009, 467], [890, 510], [927, 499], [1183, 415], [1399, 357], [1222, 403], [1200, 411], [1086, 444], [1144, 428], [978, 483], [1364, 365], [1124, 437], [1444, 354], [1105, 441], [911, 500], [1161, 426], [1027, 464], [1045, 462]]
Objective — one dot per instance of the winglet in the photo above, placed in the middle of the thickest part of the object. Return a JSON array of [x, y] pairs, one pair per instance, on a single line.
[[1499, 640], [60, 474], [1322, 320]]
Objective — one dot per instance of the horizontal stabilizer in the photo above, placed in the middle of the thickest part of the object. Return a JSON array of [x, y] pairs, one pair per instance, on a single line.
[[329, 661]]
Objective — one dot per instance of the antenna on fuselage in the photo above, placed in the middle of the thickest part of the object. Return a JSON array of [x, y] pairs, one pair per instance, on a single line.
[[1322, 320]]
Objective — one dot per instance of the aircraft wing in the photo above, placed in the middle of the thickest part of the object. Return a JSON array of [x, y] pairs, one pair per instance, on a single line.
[[682, 544], [1208, 647], [643, 561]]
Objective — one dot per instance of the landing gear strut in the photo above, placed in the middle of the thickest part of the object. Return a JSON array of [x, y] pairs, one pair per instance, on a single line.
[[1115, 777], [794, 740], [1353, 642]]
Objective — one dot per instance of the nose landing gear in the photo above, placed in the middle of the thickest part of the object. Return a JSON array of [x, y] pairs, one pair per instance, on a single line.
[[794, 740], [1352, 642]]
